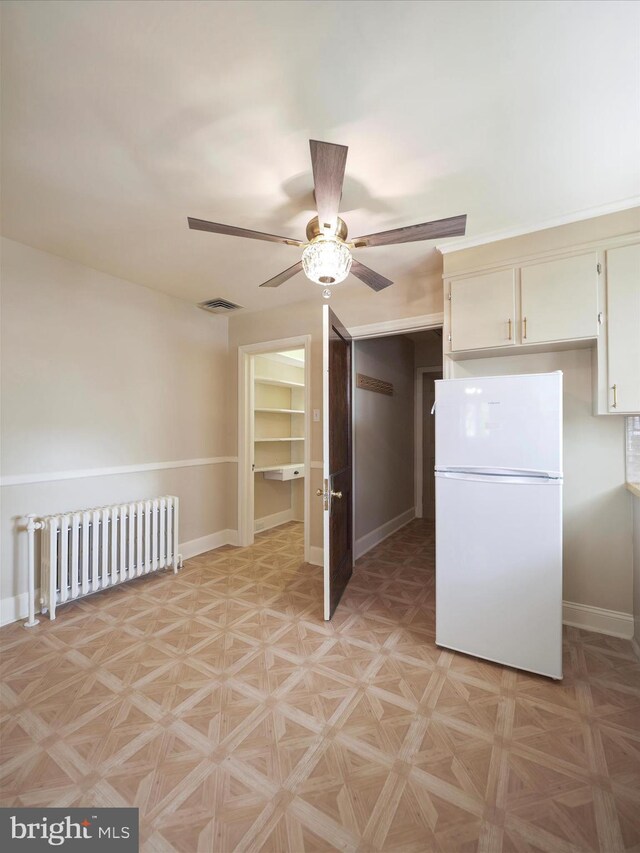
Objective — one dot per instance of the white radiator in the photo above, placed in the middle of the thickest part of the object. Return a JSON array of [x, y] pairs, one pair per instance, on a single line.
[[87, 551]]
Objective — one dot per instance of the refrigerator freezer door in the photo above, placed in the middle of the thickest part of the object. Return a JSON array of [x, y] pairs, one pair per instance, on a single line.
[[499, 571], [500, 422]]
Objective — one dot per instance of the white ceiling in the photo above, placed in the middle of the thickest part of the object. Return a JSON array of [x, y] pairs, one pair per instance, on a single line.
[[121, 119]]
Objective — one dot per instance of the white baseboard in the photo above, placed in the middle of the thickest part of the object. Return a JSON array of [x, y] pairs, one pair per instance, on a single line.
[[274, 520], [370, 540], [208, 543], [15, 608], [316, 555], [611, 622]]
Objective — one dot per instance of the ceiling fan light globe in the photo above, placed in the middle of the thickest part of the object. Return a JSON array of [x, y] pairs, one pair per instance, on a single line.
[[326, 261]]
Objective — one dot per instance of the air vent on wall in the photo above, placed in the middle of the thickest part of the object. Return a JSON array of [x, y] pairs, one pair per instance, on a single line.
[[218, 305]]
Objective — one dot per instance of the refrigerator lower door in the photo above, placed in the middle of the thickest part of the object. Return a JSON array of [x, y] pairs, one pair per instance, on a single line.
[[499, 570]]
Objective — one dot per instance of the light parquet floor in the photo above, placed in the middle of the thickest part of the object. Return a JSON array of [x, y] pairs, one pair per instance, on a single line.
[[221, 705]]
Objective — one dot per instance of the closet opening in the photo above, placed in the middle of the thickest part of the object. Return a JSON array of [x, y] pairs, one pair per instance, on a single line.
[[273, 493]]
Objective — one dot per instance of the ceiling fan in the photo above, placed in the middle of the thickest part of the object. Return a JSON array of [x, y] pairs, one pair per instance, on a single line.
[[326, 257]]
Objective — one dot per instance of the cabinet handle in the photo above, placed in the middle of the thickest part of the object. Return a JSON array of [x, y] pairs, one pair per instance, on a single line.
[[614, 388], [509, 328], [524, 331]]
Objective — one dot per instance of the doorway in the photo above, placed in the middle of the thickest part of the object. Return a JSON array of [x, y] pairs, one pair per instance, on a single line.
[[273, 440], [394, 435]]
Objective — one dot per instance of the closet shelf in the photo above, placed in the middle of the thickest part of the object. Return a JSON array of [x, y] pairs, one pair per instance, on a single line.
[[287, 438], [282, 383], [282, 411]]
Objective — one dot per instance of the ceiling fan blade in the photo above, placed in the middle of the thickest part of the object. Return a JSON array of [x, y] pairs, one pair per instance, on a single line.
[[279, 279], [232, 231], [454, 226], [328, 162], [373, 279]]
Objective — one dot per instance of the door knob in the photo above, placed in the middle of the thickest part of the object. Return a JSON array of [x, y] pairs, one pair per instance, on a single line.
[[320, 493], [336, 494]]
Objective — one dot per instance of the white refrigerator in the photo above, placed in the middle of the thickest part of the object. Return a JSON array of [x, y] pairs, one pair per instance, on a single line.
[[499, 519]]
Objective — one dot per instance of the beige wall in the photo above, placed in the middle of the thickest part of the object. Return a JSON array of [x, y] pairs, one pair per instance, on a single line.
[[427, 349], [98, 372], [597, 526], [383, 434]]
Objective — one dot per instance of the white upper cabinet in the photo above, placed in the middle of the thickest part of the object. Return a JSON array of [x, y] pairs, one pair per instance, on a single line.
[[483, 312], [560, 299], [623, 325]]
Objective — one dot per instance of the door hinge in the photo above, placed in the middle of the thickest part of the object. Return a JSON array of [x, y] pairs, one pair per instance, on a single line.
[[449, 296], [253, 466], [449, 336], [599, 268], [599, 318]]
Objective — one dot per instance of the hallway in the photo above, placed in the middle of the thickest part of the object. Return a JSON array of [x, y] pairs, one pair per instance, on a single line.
[[221, 705]]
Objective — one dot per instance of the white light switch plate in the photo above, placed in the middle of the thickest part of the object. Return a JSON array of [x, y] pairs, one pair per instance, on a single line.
[[316, 414]]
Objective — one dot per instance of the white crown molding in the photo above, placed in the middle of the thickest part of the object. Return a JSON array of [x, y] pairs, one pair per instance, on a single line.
[[520, 231], [48, 477], [397, 327]]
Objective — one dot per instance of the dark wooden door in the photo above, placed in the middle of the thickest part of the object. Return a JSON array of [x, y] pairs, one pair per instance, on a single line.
[[337, 446]]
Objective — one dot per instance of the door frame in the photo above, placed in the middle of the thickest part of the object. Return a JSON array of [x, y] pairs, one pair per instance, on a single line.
[[246, 508], [418, 434], [385, 329]]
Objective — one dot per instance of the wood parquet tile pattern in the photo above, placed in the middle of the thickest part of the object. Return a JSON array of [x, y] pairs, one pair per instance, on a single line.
[[220, 704]]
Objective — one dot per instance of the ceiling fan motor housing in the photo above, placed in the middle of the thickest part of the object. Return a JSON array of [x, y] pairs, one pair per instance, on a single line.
[[314, 230]]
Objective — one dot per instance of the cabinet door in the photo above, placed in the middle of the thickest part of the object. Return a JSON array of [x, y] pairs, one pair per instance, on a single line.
[[483, 311], [560, 299], [623, 328]]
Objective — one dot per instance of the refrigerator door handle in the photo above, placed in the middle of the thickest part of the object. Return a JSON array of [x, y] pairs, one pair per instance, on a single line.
[[500, 472], [433, 408], [509, 479]]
